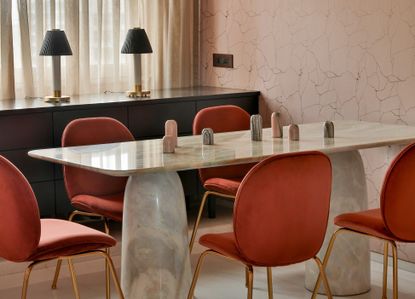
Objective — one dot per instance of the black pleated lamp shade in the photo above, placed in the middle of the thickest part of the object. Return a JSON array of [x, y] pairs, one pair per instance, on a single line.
[[136, 42], [55, 44]]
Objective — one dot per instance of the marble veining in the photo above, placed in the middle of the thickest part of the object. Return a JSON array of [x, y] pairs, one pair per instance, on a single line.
[[317, 60], [123, 159]]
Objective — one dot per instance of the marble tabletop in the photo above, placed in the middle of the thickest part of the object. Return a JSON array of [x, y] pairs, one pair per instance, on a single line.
[[124, 159]]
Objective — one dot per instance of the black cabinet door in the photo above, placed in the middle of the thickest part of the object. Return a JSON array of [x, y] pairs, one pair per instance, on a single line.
[[45, 195], [62, 118], [26, 131], [34, 170], [250, 104], [147, 121]]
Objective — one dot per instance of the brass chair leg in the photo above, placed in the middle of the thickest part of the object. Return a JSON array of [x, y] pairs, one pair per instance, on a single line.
[[26, 280], [246, 277], [114, 274], [197, 222], [395, 269], [196, 274], [325, 261], [57, 271], [324, 276], [250, 271], [107, 270], [385, 270], [269, 280], [74, 281]]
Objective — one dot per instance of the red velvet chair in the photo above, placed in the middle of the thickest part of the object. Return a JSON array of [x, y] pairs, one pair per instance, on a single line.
[[94, 194], [24, 237], [394, 221], [285, 224], [220, 181]]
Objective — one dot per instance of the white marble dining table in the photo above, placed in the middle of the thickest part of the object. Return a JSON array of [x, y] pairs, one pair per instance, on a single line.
[[155, 260]]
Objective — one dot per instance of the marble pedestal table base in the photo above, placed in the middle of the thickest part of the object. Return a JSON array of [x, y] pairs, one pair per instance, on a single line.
[[155, 259], [348, 269]]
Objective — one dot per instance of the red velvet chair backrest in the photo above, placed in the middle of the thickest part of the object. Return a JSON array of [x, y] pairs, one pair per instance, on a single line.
[[287, 221], [397, 199], [88, 131], [19, 219], [220, 119]]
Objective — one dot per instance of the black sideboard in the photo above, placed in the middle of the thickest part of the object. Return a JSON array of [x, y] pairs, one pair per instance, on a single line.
[[32, 124]]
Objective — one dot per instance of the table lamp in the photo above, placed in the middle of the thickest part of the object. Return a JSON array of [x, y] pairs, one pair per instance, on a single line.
[[56, 44], [137, 43]]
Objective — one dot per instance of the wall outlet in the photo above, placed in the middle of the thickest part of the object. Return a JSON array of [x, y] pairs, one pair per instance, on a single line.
[[223, 60]]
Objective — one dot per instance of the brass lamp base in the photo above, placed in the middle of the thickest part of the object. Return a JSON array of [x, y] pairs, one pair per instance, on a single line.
[[57, 98], [62, 99], [138, 92]]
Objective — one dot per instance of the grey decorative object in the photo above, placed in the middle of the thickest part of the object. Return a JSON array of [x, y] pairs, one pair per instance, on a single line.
[[207, 136], [256, 127], [294, 132], [276, 126], [170, 129], [168, 144], [328, 129]]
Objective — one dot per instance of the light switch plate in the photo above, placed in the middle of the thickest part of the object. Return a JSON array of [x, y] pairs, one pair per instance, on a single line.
[[223, 60]]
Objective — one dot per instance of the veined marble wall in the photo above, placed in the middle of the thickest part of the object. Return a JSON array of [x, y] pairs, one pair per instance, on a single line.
[[316, 60]]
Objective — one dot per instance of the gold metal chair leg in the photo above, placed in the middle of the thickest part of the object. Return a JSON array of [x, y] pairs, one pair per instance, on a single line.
[[325, 261], [269, 280], [73, 275], [197, 222], [26, 280], [114, 274], [395, 269], [107, 270], [196, 274], [250, 271], [385, 270], [324, 276], [57, 271], [246, 277]]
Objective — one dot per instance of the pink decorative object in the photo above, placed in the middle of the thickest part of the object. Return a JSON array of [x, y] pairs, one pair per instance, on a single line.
[[168, 144], [170, 129], [276, 126]]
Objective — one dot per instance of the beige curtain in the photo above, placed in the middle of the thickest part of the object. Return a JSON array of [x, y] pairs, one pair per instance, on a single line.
[[96, 30]]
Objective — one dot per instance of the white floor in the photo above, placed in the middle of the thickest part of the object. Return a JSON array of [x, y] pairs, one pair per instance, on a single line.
[[219, 278]]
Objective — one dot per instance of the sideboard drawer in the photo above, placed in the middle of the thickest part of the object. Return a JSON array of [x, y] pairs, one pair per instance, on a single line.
[[34, 170], [246, 103], [61, 119], [148, 120], [25, 131]]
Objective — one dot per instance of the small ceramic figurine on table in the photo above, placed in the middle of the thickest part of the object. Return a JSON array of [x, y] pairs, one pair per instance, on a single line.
[[170, 129], [294, 132], [168, 144], [207, 136], [328, 129], [256, 127], [276, 126]]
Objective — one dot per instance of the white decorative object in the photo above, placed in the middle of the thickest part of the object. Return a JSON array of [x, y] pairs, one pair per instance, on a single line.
[[168, 144], [207, 136], [170, 129], [328, 129], [276, 125], [294, 132], [256, 127]]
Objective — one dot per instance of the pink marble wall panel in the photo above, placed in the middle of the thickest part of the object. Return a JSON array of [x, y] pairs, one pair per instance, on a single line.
[[316, 60]]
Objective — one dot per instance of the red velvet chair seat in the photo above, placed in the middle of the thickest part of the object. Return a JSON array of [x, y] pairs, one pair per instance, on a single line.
[[368, 222], [224, 186], [64, 238], [223, 243], [109, 206]]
